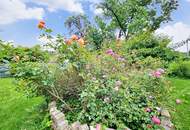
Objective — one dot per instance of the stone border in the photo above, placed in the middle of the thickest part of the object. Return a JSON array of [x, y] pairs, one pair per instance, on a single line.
[[60, 123]]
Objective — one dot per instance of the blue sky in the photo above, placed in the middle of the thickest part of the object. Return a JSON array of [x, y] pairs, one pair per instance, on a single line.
[[19, 18]]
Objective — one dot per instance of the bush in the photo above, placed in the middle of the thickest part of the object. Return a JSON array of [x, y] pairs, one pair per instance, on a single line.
[[181, 69], [147, 45], [115, 96]]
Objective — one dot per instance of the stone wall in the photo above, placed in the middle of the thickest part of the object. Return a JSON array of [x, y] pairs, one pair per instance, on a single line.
[[60, 123]]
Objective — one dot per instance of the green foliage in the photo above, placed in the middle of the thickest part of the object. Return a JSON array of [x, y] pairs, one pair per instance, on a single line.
[[99, 33], [35, 78], [115, 96], [116, 109], [14, 54], [18, 112], [133, 16], [180, 68], [147, 46]]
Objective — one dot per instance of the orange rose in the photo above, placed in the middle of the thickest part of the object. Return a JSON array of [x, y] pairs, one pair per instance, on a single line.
[[74, 37], [81, 42], [69, 42], [41, 25], [42, 22]]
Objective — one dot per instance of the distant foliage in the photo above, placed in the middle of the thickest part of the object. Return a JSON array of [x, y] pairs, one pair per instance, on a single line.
[[180, 69], [146, 45], [13, 54]]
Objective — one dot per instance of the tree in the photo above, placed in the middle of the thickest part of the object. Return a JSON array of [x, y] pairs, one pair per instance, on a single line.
[[100, 32], [77, 24], [134, 16]]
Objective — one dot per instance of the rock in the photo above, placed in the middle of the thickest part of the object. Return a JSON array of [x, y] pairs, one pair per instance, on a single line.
[[62, 125], [75, 126], [165, 113], [60, 116], [84, 127], [167, 124], [92, 128]]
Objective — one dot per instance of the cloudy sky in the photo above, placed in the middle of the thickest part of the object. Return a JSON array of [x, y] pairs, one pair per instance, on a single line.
[[18, 18]]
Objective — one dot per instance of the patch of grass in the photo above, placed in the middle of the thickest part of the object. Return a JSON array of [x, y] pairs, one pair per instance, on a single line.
[[17, 112], [181, 112]]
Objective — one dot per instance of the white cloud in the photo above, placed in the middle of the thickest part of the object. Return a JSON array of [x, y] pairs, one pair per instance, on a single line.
[[178, 32], [95, 10], [73, 6], [14, 10]]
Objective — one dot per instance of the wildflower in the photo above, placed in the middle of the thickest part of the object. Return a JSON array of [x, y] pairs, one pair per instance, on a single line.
[[74, 37], [81, 42], [41, 25], [158, 109], [178, 101], [98, 127], [156, 120]]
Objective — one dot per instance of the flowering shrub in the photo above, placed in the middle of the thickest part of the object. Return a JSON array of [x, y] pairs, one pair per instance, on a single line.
[[98, 88], [116, 97]]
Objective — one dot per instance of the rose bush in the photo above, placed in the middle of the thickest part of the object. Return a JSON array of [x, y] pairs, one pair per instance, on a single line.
[[99, 87]]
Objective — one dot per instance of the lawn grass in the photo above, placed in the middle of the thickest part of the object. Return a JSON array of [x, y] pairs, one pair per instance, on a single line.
[[17, 112], [181, 112]]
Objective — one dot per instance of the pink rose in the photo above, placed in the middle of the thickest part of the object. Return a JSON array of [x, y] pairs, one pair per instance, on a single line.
[[98, 127], [156, 120], [156, 74], [110, 52]]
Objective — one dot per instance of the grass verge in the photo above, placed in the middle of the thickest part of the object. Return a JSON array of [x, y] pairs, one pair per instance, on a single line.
[[17, 112], [180, 112]]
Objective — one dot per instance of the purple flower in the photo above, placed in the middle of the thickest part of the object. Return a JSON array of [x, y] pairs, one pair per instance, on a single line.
[[161, 70], [110, 52]]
